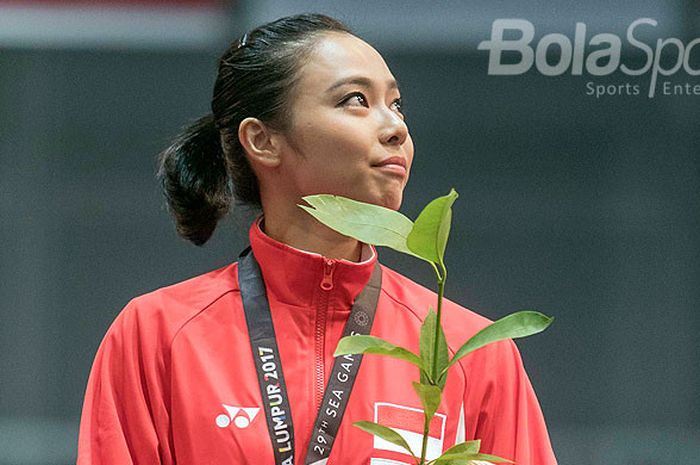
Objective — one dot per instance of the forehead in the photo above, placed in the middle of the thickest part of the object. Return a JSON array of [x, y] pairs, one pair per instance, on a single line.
[[337, 56]]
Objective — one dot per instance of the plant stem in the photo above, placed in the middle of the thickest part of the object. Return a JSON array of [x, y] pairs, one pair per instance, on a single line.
[[441, 290], [426, 430]]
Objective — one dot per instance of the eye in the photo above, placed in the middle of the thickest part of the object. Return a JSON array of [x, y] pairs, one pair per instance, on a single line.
[[357, 97], [398, 103]]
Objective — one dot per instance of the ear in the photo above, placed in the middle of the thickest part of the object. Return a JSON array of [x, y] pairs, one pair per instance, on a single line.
[[260, 143]]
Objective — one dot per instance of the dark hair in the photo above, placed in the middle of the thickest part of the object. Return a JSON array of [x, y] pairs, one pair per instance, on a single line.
[[206, 165]]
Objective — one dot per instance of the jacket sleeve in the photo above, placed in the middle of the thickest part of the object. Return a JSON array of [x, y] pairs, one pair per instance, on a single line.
[[502, 409], [117, 424]]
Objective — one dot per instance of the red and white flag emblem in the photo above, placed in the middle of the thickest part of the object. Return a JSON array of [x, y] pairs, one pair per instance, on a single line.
[[408, 422]]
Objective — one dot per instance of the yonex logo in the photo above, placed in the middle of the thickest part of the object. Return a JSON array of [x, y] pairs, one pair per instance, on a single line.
[[242, 417]]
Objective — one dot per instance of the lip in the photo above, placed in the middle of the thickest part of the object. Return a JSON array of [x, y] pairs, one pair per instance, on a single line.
[[393, 165], [395, 160], [393, 169]]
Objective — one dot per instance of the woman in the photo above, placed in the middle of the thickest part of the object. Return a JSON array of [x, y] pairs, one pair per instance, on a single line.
[[300, 106]]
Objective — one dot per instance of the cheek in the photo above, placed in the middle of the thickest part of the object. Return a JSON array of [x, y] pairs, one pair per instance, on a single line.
[[340, 145]]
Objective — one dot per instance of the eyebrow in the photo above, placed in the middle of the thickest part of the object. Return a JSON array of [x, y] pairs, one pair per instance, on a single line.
[[361, 81]]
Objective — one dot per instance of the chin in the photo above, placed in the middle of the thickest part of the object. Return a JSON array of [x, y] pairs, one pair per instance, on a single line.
[[391, 200]]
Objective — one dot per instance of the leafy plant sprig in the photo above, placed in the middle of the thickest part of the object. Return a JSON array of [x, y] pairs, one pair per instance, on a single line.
[[425, 239]]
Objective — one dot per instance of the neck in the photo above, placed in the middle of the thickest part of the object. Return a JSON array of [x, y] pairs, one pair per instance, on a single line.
[[304, 232]]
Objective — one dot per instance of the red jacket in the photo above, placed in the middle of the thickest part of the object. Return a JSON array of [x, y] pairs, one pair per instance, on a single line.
[[174, 379]]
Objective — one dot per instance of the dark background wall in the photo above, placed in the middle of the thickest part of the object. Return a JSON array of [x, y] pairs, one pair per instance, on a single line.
[[586, 209]]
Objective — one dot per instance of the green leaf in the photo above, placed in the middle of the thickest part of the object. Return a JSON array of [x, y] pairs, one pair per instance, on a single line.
[[361, 344], [442, 378], [429, 396], [428, 238], [469, 447], [515, 325], [385, 433], [466, 459], [366, 222], [427, 346]]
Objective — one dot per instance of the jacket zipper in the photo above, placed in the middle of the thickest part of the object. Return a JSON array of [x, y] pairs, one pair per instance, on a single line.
[[326, 286]]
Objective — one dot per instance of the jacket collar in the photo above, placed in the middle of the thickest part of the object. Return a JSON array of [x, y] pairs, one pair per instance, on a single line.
[[294, 276]]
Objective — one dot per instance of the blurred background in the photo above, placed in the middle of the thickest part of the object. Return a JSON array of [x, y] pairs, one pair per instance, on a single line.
[[586, 208]]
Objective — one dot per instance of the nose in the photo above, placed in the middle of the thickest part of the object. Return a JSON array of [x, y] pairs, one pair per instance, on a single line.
[[394, 130]]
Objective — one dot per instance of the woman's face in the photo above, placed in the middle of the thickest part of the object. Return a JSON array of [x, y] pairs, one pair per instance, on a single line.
[[346, 120]]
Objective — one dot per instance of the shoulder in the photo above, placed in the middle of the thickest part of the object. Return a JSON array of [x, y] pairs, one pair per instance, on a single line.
[[497, 362], [458, 321], [499, 359], [160, 313]]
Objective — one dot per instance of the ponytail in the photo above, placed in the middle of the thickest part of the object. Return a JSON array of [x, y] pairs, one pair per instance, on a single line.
[[195, 180]]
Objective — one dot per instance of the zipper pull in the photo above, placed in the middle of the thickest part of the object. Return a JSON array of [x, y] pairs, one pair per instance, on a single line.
[[328, 268]]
